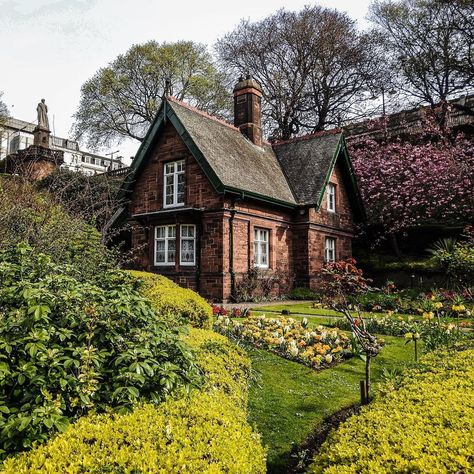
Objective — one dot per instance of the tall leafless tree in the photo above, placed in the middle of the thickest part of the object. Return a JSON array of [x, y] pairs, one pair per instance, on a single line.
[[429, 46], [315, 67]]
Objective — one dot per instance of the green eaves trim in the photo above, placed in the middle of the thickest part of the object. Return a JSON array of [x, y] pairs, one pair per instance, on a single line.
[[342, 147], [260, 197], [142, 152]]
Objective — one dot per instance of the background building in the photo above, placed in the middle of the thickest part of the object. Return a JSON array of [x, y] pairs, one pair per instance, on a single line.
[[17, 135]]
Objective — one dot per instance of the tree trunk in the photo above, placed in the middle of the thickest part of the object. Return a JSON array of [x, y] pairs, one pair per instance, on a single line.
[[367, 377], [394, 244]]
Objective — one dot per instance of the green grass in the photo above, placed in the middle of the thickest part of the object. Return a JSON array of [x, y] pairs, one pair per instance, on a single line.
[[288, 400], [305, 308]]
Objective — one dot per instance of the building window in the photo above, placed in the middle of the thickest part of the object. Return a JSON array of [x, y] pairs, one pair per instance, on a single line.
[[260, 248], [188, 244], [174, 184], [331, 193], [330, 250], [165, 245]]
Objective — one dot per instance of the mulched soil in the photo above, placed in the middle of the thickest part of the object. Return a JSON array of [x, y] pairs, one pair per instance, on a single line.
[[303, 455]]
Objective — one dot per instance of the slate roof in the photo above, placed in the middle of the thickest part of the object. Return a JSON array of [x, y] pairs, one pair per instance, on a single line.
[[237, 162], [306, 163], [290, 173]]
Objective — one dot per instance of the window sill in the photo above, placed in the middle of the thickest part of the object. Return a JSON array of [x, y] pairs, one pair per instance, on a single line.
[[171, 206]]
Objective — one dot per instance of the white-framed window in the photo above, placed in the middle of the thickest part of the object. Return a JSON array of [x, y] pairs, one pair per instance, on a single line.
[[331, 197], [187, 244], [165, 245], [260, 247], [173, 194], [330, 249]]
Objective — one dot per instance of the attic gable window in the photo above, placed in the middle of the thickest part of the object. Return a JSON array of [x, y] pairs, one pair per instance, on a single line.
[[331, 195], [174, 184]]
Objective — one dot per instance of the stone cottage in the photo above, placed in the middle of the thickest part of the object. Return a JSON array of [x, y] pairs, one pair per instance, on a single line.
[[208, 200]]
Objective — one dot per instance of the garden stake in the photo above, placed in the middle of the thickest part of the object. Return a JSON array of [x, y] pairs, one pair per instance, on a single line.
[[363, 393]]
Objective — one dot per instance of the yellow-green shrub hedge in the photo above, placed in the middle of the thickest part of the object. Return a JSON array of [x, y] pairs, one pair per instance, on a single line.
[[174, 302], [206, 432], [423, 426], [226, 367]]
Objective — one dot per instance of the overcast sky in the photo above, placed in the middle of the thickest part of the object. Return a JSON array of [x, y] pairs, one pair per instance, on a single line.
[[49, 48]]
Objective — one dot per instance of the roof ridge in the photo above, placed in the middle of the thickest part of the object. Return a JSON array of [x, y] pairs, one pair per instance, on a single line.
[[309, 136], [201, 112]]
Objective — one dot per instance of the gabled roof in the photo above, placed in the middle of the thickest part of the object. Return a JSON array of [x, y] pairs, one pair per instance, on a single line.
[[290, 174], [237, 162], [308, 163]]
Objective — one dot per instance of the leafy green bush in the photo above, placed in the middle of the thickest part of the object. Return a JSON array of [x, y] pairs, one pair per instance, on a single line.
[[67, 347], [35, 218], [203, 433], [458, 260], [423, 424], [174, 303]]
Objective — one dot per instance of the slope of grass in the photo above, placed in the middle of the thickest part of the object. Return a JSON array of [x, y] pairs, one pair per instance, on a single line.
[[288, 400], [307, 308]]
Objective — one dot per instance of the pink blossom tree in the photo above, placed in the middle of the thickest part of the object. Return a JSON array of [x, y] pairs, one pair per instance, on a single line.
[[424, 180]]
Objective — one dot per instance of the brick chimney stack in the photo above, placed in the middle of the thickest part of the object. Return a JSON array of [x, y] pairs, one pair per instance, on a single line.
[[248, 108]]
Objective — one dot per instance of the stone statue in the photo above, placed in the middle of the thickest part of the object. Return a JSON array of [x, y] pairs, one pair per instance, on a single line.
[[42, 110]]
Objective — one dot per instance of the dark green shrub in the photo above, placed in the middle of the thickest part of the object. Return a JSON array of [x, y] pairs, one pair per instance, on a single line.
[[302, 293], [68, 347], [174, 303]]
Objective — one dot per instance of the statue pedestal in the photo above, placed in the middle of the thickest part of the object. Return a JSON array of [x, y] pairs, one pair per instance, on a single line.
[[41, 136]]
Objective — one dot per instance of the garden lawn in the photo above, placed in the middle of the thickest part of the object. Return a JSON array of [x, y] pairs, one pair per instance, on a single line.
[[305, 308], [313, 319], [288, 400]]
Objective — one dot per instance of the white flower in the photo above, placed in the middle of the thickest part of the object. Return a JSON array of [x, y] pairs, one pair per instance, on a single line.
[[293, 350]]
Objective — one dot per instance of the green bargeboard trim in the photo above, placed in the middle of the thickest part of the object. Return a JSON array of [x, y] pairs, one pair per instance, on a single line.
[[166, 112]]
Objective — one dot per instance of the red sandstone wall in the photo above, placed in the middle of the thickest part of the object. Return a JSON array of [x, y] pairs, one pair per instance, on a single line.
[[206, 276], [296, 237]]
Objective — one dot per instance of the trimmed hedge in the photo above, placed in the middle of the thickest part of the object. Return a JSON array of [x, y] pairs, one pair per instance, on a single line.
[[173, 302], [422, 425], [226, 367], [206, 432]]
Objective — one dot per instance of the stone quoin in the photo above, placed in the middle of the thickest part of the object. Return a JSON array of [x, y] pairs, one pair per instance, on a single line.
[[208, 200]]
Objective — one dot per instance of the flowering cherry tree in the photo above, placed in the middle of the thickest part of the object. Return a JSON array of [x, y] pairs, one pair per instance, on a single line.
[[410, 183]]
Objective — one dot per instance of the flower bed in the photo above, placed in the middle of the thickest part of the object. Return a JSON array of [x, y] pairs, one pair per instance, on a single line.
[[448, 303], [316, 347]]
